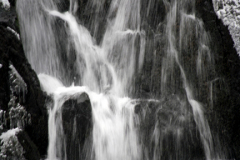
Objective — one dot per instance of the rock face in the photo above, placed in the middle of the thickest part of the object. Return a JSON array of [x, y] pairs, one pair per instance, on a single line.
[[12, 51], [4, 82], [7, 19], [16, 144], [178, 137], [30, 149], [224, 117], [77, 127]]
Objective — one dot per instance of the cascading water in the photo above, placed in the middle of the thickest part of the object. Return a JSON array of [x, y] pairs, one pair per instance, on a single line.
[[105, 70], [174, 52]]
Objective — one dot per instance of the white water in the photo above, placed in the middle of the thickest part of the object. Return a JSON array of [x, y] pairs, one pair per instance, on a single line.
[[108, 78], [107, 69], [114, 132]]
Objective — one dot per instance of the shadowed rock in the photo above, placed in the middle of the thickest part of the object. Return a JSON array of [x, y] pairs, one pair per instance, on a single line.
[[11, 50], [30, 149], [167, 129], [77, 126]]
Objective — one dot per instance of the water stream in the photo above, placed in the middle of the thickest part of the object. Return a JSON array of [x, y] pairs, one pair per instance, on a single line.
[[59, 46]]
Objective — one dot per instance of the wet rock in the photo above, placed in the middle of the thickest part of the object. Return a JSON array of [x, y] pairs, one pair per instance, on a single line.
[[222, 113], [167, 129], [224, 117], [77, 126]]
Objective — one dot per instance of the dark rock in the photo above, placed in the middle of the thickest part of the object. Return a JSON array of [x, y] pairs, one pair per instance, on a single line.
[[30, 149], [224, 118], [167, 129], [11, 48], [9, 18], [12, 3], [4, 81], [153, 12], [38, 133], [77, 127]]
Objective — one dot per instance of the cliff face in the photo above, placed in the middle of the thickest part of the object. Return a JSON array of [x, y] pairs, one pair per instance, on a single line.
[[225, 111], [14, 94], [224, 115], [223, 80]]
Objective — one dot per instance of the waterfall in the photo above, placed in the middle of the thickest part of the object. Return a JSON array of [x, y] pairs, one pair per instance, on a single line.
[[97, 61], [174, 52]]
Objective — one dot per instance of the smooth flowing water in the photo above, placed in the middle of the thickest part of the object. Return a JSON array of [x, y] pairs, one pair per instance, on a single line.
[[60, 46]]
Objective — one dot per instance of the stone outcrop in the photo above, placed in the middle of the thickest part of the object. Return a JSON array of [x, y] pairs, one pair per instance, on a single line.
[[224, 117], [30, 149], [77, 127], [12, 51]]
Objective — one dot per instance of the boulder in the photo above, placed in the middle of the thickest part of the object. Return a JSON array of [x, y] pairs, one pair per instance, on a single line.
[[29, 148], [77, 127]]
